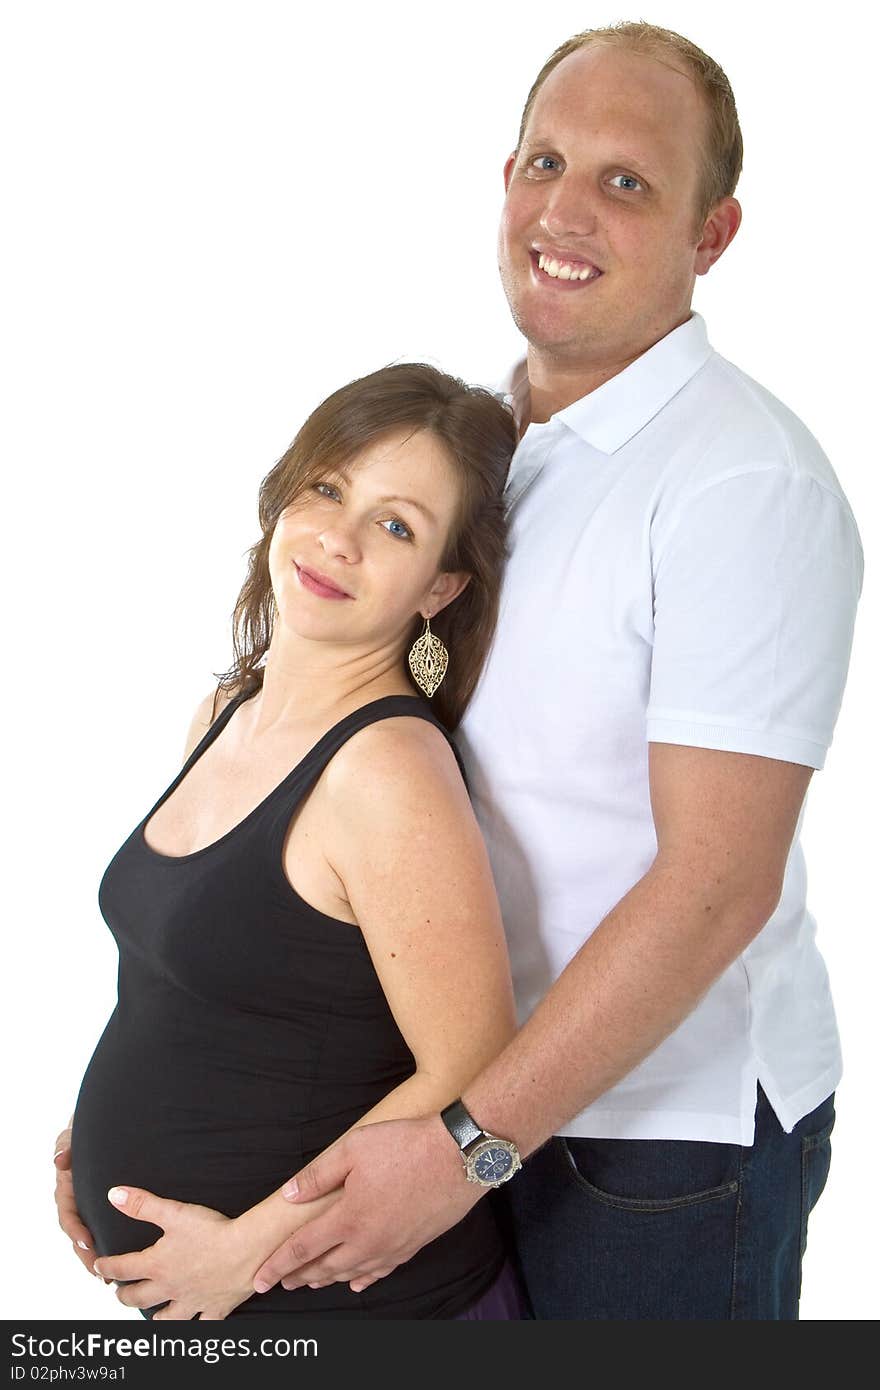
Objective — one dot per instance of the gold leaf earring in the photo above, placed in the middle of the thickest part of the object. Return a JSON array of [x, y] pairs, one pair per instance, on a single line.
[[428, 660]]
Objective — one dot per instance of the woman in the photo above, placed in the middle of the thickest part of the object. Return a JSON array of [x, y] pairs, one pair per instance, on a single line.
[[308, 931]]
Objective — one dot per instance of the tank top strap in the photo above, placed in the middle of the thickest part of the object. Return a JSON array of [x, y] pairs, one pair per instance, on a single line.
[[277, 805], [219, 723], [272, 819], [386, 707], [207, 738]]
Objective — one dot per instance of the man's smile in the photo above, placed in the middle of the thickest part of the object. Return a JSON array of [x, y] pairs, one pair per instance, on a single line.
[[562, 270]]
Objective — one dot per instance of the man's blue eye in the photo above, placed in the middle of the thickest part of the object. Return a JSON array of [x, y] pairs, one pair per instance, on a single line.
[[544, 157], [631, 177]]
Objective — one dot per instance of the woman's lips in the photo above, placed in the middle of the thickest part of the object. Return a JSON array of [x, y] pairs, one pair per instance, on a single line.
[[316, 585]]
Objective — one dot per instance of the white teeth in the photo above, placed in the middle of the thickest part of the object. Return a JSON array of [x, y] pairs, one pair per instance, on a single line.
[[561, 270]]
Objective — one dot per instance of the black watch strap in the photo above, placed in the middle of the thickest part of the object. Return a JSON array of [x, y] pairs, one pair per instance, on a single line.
[[460, 1124]]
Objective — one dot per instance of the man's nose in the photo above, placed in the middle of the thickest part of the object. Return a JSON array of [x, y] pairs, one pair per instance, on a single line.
[[570, 210]]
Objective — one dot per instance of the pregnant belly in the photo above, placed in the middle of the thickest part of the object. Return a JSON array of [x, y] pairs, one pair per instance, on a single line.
[[223, 1132], [226, 1130]]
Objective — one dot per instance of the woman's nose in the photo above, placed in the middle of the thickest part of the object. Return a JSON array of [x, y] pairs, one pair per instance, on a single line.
[[340, 541]]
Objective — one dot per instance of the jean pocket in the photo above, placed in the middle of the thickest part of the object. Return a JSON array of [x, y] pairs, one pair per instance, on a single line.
[[815, 1163], [643, 1175]]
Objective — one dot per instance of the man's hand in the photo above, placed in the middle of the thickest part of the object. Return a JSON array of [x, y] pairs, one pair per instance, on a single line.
[[404, 1185], [198, 1265], [68, 1216]]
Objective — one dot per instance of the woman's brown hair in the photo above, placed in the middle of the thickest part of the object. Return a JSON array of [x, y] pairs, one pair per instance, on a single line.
[[480, 436]]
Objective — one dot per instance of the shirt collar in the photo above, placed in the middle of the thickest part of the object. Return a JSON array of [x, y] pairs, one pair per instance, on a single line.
[[610, 416]]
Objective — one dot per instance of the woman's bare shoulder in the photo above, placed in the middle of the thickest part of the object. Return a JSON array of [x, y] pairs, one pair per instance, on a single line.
[[399, 756], [206, 712]]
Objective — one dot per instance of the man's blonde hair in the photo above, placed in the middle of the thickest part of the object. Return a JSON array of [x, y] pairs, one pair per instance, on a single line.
[[723, 149]]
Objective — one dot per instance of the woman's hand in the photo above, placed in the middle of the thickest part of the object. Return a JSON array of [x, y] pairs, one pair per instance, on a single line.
[[200, 1265], [68, 1216]]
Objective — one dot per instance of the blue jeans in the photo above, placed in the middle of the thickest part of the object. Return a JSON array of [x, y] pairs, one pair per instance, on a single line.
[[659, 1229]]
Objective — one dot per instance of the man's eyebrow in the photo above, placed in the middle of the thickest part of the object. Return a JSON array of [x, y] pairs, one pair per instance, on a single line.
[[533, 143], [411, 501]]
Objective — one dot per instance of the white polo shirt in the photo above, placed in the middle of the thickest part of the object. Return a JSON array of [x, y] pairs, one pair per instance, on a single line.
[[684, 569]]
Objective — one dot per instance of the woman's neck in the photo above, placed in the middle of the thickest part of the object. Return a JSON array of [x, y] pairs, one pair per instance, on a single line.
[[317, 682]]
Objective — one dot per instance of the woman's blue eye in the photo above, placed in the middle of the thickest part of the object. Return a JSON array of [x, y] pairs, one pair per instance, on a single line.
[[402, 531]]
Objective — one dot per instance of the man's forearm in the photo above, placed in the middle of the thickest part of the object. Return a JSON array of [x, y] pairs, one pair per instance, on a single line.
[[643, 970]]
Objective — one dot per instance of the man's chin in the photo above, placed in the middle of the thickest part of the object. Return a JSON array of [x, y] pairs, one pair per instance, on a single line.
[[546, 333], [552, 342]]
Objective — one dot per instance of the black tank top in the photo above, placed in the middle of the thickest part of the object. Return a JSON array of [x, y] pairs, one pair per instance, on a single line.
[[250, 1031]]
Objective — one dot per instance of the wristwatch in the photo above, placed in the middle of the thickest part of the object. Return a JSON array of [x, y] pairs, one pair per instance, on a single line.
[[488, 1160]]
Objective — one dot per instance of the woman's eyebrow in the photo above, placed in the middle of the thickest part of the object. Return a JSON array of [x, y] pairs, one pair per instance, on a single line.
[[411, 501], [345, 476]]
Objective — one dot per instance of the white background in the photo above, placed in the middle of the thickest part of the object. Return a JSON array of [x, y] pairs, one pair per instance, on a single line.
[[216, 213]]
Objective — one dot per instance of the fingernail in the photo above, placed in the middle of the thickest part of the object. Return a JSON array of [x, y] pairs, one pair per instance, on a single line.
[[118, 1196], [290, 1189], [95, 1270], [59, 1151], [82, 1245], [261, 1286]]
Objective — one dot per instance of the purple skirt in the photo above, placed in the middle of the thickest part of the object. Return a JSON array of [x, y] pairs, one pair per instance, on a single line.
[[503, 1301]]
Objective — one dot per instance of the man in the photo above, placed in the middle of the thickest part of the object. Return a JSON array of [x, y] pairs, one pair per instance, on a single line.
[[684, 568], [670, 660]]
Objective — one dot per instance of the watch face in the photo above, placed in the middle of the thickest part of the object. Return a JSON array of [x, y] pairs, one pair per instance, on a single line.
[[493, 1163]]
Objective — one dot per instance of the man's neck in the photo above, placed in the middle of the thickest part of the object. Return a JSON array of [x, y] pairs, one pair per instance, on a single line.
[[556, 382]]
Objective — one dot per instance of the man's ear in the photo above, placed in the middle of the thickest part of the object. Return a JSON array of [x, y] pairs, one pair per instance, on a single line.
[[719, 229], [508, 169], [446, 587]]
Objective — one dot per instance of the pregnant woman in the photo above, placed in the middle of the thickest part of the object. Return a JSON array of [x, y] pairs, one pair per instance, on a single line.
[[308, 931]]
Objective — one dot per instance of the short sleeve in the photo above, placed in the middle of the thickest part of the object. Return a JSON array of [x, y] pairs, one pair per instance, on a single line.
[[756, 585]]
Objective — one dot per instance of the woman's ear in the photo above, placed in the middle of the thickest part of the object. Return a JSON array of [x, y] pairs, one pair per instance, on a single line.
[[445, 588]]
